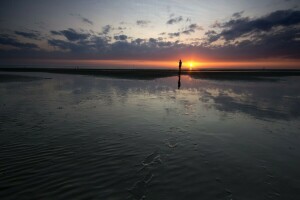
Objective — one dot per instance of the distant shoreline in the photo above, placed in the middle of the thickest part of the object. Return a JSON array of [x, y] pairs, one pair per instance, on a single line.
[[161, 73]]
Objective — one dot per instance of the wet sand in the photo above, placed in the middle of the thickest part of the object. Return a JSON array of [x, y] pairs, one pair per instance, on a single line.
[[150, 74], [17, 78], [96, 137]]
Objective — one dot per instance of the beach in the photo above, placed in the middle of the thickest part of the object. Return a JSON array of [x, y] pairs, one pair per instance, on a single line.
[[135, 135]]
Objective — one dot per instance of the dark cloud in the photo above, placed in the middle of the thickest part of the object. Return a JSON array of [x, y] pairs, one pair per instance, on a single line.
[[142, 23], [6, 40], [86, 20], [281, 43], [212, 36], [55, 33], [158, 44], [138, 41], [120, 37], [64, 45], [272, 35], [82, 48], [175, 20], [187, 31], [191, 29], [152, 40], [120, 28], [238, 27], [250, 40], [83, 19], [29, 35], [140, 48], [97, 47], [71, 34], [176, 34], [275, 44], [216, 24], [238, 14], [106, 29]]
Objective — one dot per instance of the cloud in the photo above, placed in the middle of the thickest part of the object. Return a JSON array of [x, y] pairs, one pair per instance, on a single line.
[[106, 29], [175, 20], [249, 40], [176, 34], [152, 40], [6, 40], [71, 34], [86, 20], [187, 31], [98, 47], [29, 35], [64, 45], [120, 28], [143, 23], [83, 19], [121, 37], [138, 41], [274, 44], [216, 24], [242, 26], [191, 29], [238, 14], [94, 45], [55, 33], [212, 36], [275, 35]]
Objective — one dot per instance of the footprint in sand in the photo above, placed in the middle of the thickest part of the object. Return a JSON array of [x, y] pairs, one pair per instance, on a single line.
[[139, 189], [171, 144], [151, 159]]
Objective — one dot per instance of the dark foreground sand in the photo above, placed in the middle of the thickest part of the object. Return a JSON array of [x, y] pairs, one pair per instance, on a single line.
[[17, 78], [89, 137]]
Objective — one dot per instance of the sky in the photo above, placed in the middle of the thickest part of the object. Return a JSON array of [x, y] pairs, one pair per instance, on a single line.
[[150, 33]]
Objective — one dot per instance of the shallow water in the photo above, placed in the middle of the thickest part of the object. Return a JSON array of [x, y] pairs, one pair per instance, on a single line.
[[85, 137]]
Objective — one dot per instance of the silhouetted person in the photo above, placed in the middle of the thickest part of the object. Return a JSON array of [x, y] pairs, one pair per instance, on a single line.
[[180, 63]]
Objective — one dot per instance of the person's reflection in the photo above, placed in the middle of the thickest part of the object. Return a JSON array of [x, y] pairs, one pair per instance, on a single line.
[[179, 80], [179, 74]]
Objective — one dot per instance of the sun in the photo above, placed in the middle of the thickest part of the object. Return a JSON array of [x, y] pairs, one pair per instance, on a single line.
[[191, 65]]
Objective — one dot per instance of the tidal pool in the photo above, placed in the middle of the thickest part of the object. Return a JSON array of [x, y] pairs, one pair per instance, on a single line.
[[88, 137]]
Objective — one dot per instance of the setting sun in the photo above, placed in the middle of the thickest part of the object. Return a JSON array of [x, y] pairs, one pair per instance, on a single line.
[[191, 65]]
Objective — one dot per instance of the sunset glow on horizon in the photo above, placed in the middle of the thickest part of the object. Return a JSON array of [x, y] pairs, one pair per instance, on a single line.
[[172, 64]]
